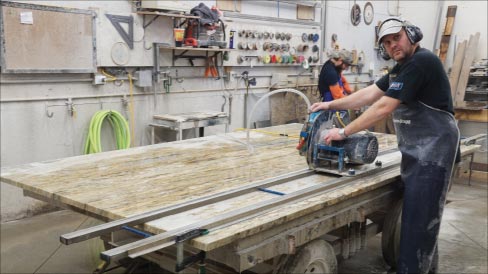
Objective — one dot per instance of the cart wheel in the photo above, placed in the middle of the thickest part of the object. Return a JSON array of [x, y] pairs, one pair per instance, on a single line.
[[315, 257], [390, 238]]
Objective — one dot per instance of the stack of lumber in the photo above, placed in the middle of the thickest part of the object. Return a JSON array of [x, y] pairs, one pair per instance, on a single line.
[[463, 60]]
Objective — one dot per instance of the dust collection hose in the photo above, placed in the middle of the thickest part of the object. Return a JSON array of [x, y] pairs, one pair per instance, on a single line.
[[119, 125], [307, 101]]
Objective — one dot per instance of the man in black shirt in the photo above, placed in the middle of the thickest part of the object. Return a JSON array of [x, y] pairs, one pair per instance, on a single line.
[[418, 94]]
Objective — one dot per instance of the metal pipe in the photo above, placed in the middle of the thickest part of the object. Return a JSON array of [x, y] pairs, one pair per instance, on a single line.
[[19, 100], [323, 14], [125, 94], [34, 81], [31, 81], [268, 19], [302, 3]]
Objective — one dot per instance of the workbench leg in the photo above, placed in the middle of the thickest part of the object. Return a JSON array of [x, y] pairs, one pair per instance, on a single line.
[[352, 239], [345, 242], [179, 254], [152, 135], [363, 235], [357, 236], [179, 134]]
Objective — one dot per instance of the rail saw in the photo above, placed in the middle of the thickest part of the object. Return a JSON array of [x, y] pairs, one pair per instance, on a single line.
[[347, 157]]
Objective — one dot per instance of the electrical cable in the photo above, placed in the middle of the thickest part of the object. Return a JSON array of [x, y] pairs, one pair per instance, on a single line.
[[340, 119], [119, 126], [110, 78], [269, 132]]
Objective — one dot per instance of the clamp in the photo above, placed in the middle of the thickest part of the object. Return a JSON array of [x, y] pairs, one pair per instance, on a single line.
[[181, 262]]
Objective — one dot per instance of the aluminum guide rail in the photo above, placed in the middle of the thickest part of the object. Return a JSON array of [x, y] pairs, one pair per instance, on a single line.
[[95, 231], [167, 238]]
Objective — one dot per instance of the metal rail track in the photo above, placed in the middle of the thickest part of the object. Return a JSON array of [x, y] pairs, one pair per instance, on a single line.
[[171, 237], [99, 230], [95, 231]]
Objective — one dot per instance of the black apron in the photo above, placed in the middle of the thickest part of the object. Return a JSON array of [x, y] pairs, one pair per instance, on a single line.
[[428, 139]]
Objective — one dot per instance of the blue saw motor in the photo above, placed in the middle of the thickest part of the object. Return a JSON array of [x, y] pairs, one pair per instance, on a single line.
[[359, 148]]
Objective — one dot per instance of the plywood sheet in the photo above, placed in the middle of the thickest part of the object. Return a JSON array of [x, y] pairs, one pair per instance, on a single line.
[[122, 183], [118, 184]]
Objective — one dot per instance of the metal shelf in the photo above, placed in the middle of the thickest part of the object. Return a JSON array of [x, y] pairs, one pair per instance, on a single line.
[[174, 15], [185, 50], [166, 14], [197, 49]]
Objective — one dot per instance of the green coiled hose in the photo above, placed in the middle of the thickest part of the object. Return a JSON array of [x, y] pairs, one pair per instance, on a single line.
[[119, 125]]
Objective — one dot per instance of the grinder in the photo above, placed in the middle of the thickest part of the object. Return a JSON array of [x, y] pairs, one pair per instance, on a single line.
[[357, 149]]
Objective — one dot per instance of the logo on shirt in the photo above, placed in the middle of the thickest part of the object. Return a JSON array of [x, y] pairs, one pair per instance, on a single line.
[[396, 86], [401, 121]]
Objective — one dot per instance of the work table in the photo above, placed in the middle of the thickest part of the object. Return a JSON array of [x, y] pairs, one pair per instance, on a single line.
[[118, 184]]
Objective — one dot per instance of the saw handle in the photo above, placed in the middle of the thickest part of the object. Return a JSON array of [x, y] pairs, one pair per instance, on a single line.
[[303, 139], [301, 143]]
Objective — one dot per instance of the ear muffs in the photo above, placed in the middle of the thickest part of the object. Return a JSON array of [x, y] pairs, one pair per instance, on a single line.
[[383, 54], [414, 33]]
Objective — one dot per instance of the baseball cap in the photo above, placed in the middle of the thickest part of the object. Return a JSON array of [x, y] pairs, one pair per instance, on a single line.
[[346, 56], [390, 26]]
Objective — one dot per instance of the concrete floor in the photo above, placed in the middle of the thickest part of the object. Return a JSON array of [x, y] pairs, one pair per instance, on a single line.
[[32, 245]]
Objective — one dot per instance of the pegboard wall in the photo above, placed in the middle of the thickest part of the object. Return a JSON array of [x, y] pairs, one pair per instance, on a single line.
[[270, 44]]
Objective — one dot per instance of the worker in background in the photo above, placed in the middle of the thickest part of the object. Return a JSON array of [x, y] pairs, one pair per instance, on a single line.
[[418, 94], [332, 83]]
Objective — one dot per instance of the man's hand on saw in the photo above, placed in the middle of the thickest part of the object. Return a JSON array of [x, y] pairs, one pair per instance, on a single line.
[[319, 106], [333, 135]]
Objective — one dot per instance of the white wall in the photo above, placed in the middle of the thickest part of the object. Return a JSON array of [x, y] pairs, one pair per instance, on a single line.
[[360, 37], [430, 16]]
